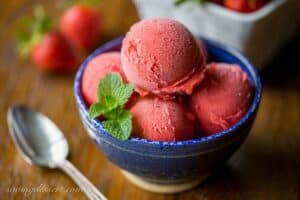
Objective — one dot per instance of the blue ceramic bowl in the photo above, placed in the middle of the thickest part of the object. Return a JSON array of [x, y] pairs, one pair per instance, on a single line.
[[172, 166]]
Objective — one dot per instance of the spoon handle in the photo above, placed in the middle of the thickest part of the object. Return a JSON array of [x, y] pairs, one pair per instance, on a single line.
[[85, 185]]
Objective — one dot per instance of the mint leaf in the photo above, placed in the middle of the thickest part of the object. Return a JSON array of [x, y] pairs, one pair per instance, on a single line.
[[121, 127], [123, 93], [112, 92], [97, 109], [112, 95], [115, 113], [106, 87]]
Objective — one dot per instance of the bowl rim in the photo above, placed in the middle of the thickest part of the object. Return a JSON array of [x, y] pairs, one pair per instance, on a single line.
[[96, 123]]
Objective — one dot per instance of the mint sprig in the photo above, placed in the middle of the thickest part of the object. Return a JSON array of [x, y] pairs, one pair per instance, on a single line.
[[112, 95], [120, 127], [112, 92]]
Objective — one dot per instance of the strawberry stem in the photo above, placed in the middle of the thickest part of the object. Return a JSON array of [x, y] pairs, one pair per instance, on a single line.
[[69, 3], [32, 30], [252, 3], [179, 2]]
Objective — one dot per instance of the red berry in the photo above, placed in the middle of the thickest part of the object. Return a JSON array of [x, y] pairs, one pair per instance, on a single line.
[[82, 26], [54, 53], [244, 6]]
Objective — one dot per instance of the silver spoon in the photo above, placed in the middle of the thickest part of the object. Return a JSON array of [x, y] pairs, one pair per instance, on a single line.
[[41, 143]]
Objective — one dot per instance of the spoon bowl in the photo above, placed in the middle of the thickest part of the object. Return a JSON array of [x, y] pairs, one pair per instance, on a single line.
[[39, 140], [42, 143]]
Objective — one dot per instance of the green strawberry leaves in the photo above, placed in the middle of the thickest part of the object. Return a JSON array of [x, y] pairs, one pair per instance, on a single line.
[[112, 95], [252, 3], [179, 2], [68, 3], [32, 30]]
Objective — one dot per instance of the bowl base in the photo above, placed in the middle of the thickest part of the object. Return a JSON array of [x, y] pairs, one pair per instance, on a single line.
[[162, 188]]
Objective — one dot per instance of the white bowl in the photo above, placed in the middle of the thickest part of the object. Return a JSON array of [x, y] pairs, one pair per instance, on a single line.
[[258, 35]]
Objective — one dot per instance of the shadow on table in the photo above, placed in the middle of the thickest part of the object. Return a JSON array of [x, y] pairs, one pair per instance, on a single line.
[[284, 69], [269, 166], [224, 183], [256, 170]]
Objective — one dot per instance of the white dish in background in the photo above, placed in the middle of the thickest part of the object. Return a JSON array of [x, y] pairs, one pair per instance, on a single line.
[[258, 35]]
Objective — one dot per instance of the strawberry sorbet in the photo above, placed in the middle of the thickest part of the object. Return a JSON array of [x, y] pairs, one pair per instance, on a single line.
[[161, 56], [223, 97], [168, 67], [162, 120]]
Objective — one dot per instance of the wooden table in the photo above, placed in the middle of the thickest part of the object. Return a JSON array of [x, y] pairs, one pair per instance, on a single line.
[[267, 166]]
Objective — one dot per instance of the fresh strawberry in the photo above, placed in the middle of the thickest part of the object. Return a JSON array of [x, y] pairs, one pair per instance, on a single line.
[[244, 6], [54, 53], [50, 51], [81, 24]]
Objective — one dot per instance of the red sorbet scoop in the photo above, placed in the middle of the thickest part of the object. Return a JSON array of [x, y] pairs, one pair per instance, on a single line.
[[223, 97], [162, 120], [161, 56], [95, 70]]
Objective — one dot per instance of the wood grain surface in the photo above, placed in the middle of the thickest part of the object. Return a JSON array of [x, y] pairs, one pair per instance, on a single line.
[[267, 166]]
